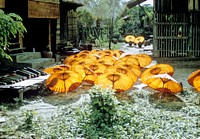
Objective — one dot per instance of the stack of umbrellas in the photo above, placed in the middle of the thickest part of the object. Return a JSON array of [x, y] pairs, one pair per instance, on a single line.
[[97, 67]]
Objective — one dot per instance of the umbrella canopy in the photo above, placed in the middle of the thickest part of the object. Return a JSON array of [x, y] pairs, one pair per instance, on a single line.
[[64, 81], [129, 38], [193, 76], [124, 70], [71, 60], [139, 39], [117, 81], [129, 59], [107, 53], [143, 59], [57, 68], [118, 53], [157, 69], [134, 68], [196, 83], [107, 60], [194, 79], [164, 83], [92, 71]]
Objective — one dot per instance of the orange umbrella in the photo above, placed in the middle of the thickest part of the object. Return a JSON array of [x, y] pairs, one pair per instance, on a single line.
[[63, 81], [157, 69], [139, 39], [196, 83], [79, 69], [95, 51], [194, 79], [118, 53], [134, 68], [129, 38], [107, 53], [117, 81], [164, 83], [92, 71], [143, 59], [71, 60], [129, 59], [57, 68], [124, 70], [107, 60], [193, 76]]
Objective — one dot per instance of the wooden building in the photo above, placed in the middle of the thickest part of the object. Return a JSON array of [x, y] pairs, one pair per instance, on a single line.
[[176, 28], [67, 29], [39, 18]]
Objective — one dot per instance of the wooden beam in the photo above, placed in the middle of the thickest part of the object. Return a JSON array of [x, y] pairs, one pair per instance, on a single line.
[[38, 9], [2, 3]]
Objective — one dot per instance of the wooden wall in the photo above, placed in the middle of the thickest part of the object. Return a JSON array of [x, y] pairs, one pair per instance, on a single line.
[[38, 9], [2, 3], [176, 30]]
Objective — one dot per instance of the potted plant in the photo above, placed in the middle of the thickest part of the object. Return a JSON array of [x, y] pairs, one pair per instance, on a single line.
[[47, 53]]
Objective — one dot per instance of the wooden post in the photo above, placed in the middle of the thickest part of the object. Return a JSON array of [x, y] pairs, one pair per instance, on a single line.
[[49, 34]]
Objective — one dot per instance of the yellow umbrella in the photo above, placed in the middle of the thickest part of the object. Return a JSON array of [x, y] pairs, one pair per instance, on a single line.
[[196, 83], [129, 38], [129, 59], [194, 79], [134, 68], [139, 39], [124, 70], [107, 53], [57, 68], [117, 81], [63, 81], [193, 76], [117, 53], [107, 60], [164, 83], [143, 59], [92, 71], [157, 69]]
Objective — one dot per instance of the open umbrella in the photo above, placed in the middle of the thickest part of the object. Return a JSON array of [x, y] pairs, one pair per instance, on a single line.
[[129, 59], [134, 68], [64, 81], [107, 60], [129, 38], [194, 79], [164, 83], [193, 76], [107, 53], [117, 53], [124, 70], [157, 69], [139, 39], [117, 81], [143, 59], [93, 70], [57, 68], [71, 60], [196, 83]]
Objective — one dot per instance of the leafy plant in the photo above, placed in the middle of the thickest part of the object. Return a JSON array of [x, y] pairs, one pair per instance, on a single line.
[[10, 25], [103, 107]]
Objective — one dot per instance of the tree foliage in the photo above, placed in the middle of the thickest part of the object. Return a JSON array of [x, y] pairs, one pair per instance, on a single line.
[[10, 25]]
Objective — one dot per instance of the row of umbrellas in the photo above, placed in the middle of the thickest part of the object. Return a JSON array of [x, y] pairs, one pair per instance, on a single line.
[[111, 68]]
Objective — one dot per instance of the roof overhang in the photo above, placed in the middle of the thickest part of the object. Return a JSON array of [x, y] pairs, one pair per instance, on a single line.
[[133, 3], [73, 5]]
